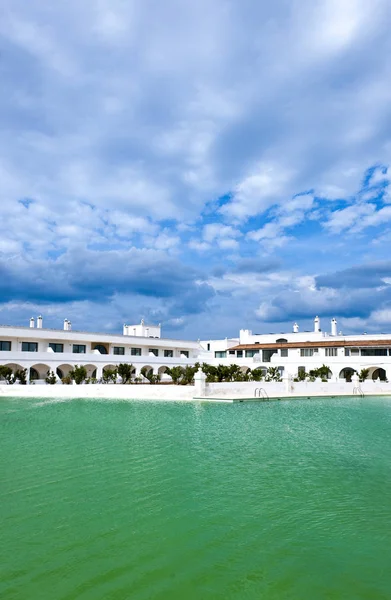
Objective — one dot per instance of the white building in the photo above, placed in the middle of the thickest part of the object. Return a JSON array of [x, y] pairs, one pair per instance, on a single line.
[[304, 351], [40, 350]]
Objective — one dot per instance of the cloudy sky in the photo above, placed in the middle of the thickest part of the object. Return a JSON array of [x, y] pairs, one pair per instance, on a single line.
[[208, 165]]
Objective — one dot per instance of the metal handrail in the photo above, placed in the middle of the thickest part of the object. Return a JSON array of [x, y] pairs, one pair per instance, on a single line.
[[260, 393], [357, 391]]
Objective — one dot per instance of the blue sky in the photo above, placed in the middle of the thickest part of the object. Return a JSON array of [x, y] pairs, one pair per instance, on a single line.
[[208, 165]]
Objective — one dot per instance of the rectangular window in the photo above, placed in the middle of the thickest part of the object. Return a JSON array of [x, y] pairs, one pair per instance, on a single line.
[[239, 354], [119, 350], [154, 351], [251, 353], [208, 347], [29, 347], [374, 352], [185, 353], [267, 354], [79, 349], [169, 353], [57, 347], [306, 352], [354, 351], [331, 351], [232, 352], [5, 346], [220, 354], [284, 352], [135, 351], [347, 352]]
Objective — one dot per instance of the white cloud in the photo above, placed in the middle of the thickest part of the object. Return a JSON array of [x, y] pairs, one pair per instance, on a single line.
[[122, 117], [266, 186], [213, 231], [349, 217]]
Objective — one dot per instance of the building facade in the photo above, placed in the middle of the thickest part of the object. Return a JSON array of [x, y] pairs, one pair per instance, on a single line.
[[40, 351], [304, 351]]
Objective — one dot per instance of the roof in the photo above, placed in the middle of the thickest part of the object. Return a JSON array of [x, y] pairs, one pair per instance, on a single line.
[[72, 332], [321, 344]]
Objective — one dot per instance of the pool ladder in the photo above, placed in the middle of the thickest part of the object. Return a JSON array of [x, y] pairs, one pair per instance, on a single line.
[[260, 393], [357, 391]]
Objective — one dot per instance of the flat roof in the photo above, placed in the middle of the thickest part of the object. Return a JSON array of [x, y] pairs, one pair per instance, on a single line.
[[97, 333]]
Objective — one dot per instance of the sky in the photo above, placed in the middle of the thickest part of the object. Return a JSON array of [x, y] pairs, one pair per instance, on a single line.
[[210, 166]]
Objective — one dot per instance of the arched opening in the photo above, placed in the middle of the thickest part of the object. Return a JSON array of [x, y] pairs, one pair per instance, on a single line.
[[245, 369], [14, 367], [379, 373], [281, 341], [347, 374], [63, 371], [34, 375], [101, 348], [39, 372], [163, 376], [145, 372], [91, 371]]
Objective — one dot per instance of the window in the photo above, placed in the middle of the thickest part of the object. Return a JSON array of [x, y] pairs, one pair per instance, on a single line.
[[5, 346], [352, 352], [185, 353], [119, 350], [267, 354], [208, 347], [374, 352], [135, 351], [239, 354], [154, 351], [281, 341], [251, 353], [232, 352], [29, 347], [220, 354], [101, 348], [301, 370], [306, 352], [331, 351], [79, 349], [168, 353], [57, 347], [284, 352]]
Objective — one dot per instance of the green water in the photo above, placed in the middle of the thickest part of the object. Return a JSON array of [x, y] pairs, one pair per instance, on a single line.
[[118, 500]]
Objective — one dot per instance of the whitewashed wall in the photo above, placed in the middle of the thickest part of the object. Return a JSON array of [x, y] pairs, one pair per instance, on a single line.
[[214, 391]]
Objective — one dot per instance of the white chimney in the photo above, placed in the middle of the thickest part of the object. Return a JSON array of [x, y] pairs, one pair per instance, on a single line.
[[69, 326], [295, 328], [334, 330], [316, 324], [125, 330], [32, 322], [39, 322]]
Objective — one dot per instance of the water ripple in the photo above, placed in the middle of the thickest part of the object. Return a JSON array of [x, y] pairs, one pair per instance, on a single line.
[[142, 500]]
